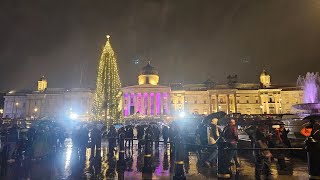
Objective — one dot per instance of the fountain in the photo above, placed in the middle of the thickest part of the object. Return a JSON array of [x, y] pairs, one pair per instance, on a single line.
[[311, 104], [311, 89]]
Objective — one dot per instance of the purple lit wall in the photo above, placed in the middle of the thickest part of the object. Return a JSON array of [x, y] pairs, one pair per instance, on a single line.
[[152, 103], [158, 105], [139, 98], [311, 88], [125, 109], [165, 104], [145, 101]]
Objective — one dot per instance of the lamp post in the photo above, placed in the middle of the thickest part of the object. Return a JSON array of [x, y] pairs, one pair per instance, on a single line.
[[35, 112], [17, 104]]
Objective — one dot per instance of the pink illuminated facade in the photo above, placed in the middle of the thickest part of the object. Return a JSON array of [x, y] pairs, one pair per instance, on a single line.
[[151, 100], [147, 98]]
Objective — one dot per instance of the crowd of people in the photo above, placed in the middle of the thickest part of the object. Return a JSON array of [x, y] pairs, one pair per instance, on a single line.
[[40, 141], [261, 136], [37, 142]]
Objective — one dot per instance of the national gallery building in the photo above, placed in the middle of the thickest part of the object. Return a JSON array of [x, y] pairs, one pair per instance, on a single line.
[[149, 99]]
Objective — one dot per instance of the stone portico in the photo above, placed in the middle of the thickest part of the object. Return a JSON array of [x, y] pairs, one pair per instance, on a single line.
[[147, 98]]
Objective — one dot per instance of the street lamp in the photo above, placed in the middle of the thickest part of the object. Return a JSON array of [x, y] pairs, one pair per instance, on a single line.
[[35, 109], [17, 104]]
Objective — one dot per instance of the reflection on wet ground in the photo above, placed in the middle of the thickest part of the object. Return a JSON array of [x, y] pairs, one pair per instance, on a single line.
[[69, 164]]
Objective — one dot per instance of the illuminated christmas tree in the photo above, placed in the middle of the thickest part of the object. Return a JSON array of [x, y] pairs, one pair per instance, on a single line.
[[108, 93]]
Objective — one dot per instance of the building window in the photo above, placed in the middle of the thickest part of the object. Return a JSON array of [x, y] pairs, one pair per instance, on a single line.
[[179, 102], [171, 101], [238, 101], [196, 102], [204, 102], [257, 101], [247, 101], [125, 102]]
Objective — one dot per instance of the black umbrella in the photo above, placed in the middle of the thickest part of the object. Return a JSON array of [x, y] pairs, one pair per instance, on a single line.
[[315, 117]]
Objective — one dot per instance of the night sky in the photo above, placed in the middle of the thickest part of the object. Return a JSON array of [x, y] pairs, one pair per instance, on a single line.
[[187, 40]]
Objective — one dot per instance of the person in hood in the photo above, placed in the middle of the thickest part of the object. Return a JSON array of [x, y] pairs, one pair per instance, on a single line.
[[213, 134]]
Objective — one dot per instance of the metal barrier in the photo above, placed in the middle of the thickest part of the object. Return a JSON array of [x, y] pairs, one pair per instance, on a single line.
[[312, 149]]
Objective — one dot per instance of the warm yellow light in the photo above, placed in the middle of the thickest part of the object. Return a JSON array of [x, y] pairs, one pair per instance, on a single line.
[[35, 109], [17, 103], [106, 99], [1, 111]]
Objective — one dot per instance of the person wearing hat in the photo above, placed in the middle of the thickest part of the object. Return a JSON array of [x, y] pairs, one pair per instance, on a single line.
[[276, 141], [213, 134]]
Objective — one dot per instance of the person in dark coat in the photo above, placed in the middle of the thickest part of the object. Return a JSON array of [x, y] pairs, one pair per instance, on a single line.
[[262, 157], [95, 140], [12, 140], [276, 141], [230, 134], [83, 140], [140, 134], [156, 133], [122, 130], [165, 135], [129, 135], [112, 135], [149, 133]]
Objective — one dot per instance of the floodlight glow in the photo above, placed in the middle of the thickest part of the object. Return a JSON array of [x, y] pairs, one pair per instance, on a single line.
[[182, 114], [73, 116]]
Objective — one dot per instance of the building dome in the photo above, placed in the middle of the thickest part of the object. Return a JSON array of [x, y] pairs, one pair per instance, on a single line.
[[148, 70], [148, 75], [264, 73], [265, 79]]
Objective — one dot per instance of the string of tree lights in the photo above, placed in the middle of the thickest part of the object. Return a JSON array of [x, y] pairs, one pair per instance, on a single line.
[[107, 97]]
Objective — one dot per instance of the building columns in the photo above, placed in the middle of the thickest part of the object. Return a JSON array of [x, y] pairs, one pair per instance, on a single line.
[[142, 104], [155, 103], [149, 104], [161, 103], [135, 100], [228, 105], [129, 104], [217, 103]]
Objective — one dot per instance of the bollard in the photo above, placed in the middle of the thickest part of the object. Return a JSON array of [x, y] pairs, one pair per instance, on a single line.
[[222, 171], [121, 162], [147, 168], [313, 149], [179, 153]]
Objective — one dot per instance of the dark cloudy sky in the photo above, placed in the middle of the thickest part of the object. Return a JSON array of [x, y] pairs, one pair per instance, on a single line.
[[187, 40]]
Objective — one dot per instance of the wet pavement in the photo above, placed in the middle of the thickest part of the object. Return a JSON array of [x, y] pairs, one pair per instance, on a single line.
[[66, 164]]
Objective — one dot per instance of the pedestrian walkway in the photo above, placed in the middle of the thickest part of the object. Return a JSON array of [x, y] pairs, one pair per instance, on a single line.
[[66, 164]]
